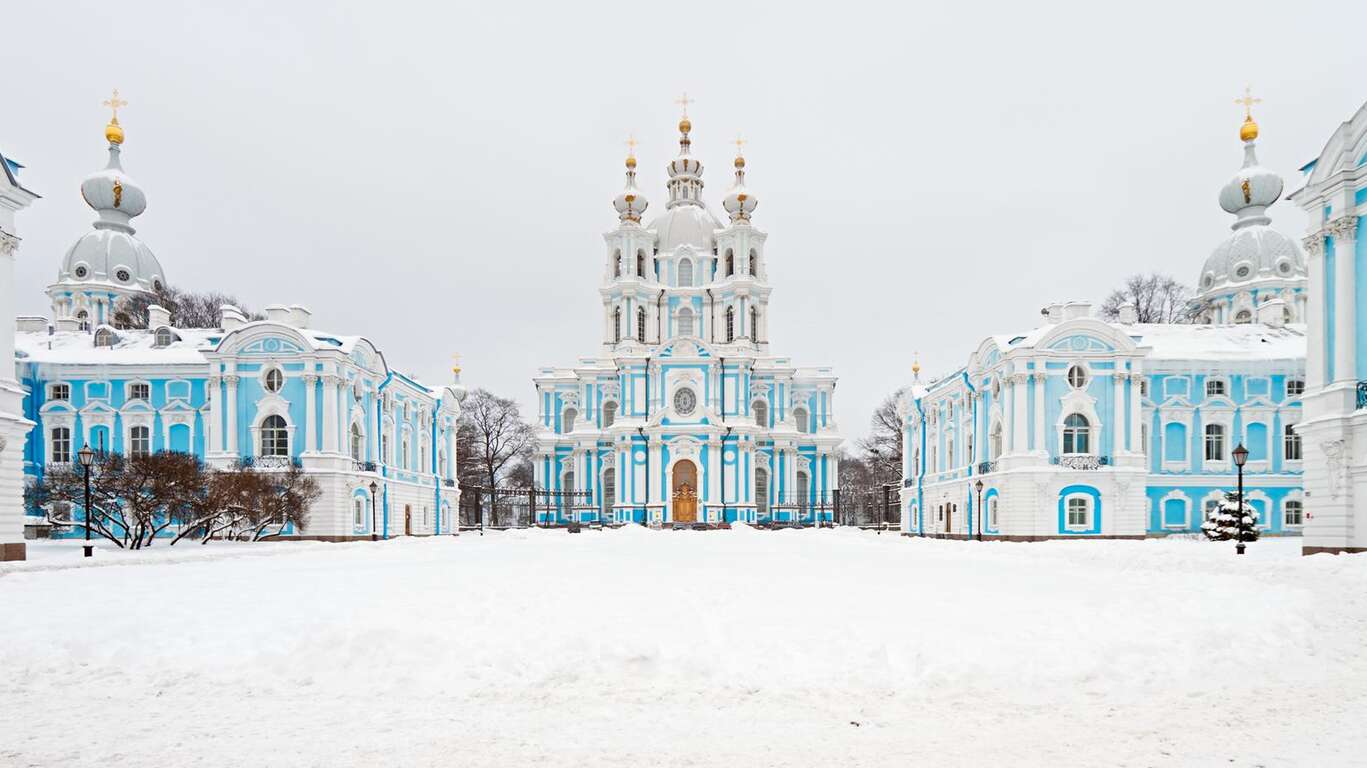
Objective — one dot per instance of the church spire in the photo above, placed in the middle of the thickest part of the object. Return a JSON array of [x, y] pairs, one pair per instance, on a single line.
[[630, 203], [1254, 187], [685, 173], [738, 201]]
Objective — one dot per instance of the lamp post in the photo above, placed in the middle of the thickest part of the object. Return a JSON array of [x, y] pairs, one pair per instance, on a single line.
[[374, 535], [87, 458], [1240, 457], [978, 486]]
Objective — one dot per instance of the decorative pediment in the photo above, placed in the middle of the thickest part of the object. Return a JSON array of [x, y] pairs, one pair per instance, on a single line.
[[570, 399], [271, 345], [759, 390], [685, 448], [612, 390], [803, 464], [608, 460], [761, 460], [1081, 343]]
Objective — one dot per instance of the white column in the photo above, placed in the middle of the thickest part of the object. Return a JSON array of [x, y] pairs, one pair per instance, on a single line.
[[215, 428], [1040, 431], [13, 425], [1021, 404], [1344, 231], [329, 412], [1136, 412], [310, 442], [1123, 441], [231, 381], [1008, 416], [1315, 358]]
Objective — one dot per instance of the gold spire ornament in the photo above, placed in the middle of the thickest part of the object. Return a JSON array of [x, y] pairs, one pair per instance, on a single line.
[[740, 157], [1249, 130], [685, 125], [631, 151], [455, 364], [113, 132]]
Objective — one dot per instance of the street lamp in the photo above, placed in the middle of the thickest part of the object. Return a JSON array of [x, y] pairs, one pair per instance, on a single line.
[[87, 458], [1240, 457], [374, 535], [978, 486]]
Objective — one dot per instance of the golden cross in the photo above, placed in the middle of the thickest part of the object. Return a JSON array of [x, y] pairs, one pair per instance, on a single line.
[[631, 145], [455, 363], [739, 142], [1248, 101], [114, 102], [684, 101]]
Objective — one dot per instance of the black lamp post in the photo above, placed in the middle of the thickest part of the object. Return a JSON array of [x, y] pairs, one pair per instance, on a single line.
[[1240, 457], [978, 486], [374, 535], [87, 458]]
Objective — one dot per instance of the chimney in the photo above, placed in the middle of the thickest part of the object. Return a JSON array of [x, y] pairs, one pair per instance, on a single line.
[[157, 316], [1128, 315], [1052, 313], [1077, 309], [230, 317], [300, 316], [278, 313], [1272, 313], [68, 324], [30, 324]]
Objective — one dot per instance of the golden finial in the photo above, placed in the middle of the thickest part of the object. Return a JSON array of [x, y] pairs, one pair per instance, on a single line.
[[455, 364], [631, 151], [740, 158], [113, 132], [916, 365], [1249, 130], [685, 125]]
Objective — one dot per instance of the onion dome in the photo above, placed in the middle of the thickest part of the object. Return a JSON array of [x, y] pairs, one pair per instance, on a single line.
[[630, 203], [685, 172], [739, 202]]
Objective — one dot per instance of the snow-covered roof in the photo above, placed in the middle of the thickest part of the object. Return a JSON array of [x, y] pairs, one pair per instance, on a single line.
[[1220, 342], [130, 348]]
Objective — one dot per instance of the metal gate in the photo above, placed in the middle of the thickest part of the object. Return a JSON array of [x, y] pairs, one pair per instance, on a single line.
[[502, 508]]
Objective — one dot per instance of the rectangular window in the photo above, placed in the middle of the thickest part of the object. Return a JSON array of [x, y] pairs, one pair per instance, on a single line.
[[140, 391], [61, 445], [992, 512], [1078, 509], [61, 392], [358, 512], [1215, 387], [1291, 443], [139, 441], [1295, 387], [1295, 512], [1215, 443]]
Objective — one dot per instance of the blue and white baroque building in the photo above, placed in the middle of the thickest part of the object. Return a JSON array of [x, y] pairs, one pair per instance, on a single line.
[[1334, 197], [14, 427], [1082, 428], [269, 393], [685, 416]]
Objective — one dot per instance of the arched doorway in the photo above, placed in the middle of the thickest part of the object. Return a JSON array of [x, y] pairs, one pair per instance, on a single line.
[[685, 492], [609, 493], [408, 519]]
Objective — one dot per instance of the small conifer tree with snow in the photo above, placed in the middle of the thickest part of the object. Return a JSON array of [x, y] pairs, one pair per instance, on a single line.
[[1224, 523]]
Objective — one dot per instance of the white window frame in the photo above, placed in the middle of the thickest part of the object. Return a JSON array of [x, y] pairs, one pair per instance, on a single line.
[[1223, 384], [53, 388], [1296, 380], [1300, 443], [1287, 500], [266, 379], [1082, 369], [358, 512], [1174, 495], [1086, 523], [261, 440], [129, 394], [1091, 434], [69, 440]]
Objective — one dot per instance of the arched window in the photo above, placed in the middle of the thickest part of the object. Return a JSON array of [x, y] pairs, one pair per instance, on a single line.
[[275, 437], [104, 338], [1076, 434], [61, 445], [754, 323], [609, 490], [685, 322], [1079, 512], [1291, 443], [358, 512], [1244, 317], [762, 491], [761, 410], [803, 492], [617, 263], [800, 418], [356, 442], [640, 263], [949, 453], [609, 413], [275, 380], [616, 325], [1295, 512], [83, 320], [754, 263], [1215, 442], [640, 324], [567, 420], [996, 442], [139, 441], [686, 273], [164, 337], [730, 263], [730, 323], [405, 455], [992, 512]]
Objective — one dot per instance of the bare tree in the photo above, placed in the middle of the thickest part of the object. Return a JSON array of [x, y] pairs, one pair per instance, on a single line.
[[132, 499], [491, 438], [882, 447], [1156, 298], [188, 309]]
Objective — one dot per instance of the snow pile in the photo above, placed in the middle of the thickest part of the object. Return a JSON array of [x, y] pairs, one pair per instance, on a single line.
[[637, 647]]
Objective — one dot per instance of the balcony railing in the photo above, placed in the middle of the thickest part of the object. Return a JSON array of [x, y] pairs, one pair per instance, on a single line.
[[1081, 461], [270, 462], [362, 466], [985, 467]]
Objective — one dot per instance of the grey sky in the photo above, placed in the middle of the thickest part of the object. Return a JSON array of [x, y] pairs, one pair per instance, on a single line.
[[437, 176]]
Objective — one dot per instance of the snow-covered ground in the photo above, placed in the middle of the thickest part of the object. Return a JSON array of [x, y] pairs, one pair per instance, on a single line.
[[636, 648]]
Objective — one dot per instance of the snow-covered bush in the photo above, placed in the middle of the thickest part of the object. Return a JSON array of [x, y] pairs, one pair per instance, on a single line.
[[1225, 524]]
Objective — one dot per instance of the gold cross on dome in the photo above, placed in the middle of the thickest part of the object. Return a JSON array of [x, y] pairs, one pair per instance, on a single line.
[[739, 142], [455, 363], [114, 102], [684, 101], [1247, 101], [631, 145]]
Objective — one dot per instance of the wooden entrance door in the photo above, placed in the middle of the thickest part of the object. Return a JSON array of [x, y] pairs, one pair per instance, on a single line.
[[685, 497], [408, 520]]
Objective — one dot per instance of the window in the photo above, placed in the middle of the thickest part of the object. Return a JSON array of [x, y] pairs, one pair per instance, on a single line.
[[1242, 272], [616, 325], [754, 323], [1295, 387], [275, 437], [567, 420], [730, 263], [384, 447], [140, 391], [685, 401], [617, 264], [609, 490], [1143, 387], [1291, 443], [61, 392], [761, 411], [1244, 317], [83, 320], [1077, 377], [609, 414], [686, 273], [996, 441], [1209, 509], [1076, 433], [762, 491], [358, 512], [164, 337], [641, 324], [1215, 388], [1144, 439], [800, 418], [407, 454], [356, 442], [1079, 512], [139, 441], [104, 338], [640, 263], [425, 516], [992, 512], [730, 323], [61, 445], [1215, 442], [754, 262], [685, 322], [1295, 512], [275, 380], [82, 271], [123, 275]]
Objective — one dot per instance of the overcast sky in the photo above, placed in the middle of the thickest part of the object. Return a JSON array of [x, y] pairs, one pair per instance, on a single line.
[[437, 176]]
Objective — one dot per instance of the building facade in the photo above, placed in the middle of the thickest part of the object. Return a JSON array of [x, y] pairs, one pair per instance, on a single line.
[[1081, 428], [268, 393], [685, 415], [14, 427], [1334, 196]]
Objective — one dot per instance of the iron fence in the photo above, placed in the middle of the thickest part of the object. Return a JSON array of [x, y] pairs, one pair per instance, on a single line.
[[501, 508]]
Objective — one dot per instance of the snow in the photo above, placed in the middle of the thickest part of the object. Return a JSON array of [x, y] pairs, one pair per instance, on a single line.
[[635, 647]]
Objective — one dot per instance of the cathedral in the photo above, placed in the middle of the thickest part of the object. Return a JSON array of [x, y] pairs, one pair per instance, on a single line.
[[267, 393], [684, 415], [1086, 428]]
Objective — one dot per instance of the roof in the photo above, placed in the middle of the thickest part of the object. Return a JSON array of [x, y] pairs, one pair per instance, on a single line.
[[11, 169], [1221, 342], [137, 347]]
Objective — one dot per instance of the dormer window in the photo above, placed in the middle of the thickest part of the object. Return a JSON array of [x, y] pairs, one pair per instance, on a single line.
[[163, 338], [104, 338]]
